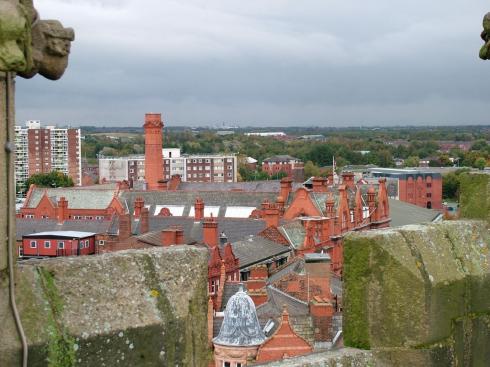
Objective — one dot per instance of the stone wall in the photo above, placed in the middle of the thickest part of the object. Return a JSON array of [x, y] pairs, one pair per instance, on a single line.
[[419, 295], [130, 308], [346, 357]]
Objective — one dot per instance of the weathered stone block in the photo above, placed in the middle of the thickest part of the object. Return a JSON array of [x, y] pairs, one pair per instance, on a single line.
[[407, 291], [135, 307]]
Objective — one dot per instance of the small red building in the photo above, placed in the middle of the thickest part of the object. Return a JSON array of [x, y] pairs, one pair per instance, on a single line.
[[419, 187], [57, 243], [293, 167]]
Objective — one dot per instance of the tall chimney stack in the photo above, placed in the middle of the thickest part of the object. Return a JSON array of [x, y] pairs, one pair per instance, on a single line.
[[153, 150]]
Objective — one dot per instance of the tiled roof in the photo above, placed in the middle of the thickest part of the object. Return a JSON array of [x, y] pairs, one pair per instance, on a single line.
[[222, 199], [77, 198], [25, 226], [403, 213], [257, 249]]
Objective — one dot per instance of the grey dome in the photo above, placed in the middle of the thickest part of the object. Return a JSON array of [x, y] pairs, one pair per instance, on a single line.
[[240, 326]]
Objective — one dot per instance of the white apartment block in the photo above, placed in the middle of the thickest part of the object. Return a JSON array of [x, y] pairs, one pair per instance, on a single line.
[[192, 168], [42, 150]]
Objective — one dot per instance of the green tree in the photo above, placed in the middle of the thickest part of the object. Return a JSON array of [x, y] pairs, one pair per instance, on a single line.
[[311, 169], [51, 179], [450, 186], [412, 161], [480, 163]]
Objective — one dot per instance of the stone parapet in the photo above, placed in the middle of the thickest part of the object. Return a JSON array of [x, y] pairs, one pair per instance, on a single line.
[[419, 295], [129, 308]]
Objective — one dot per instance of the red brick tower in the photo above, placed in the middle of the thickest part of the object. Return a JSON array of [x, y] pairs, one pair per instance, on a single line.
[[153, 150]]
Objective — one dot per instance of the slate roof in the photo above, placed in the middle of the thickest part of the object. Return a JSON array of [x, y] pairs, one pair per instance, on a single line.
[[276, 300], [256, 249], [249, 186], [25, 226], [294, 232], [77, 198], [235, 229], [403, 213], [187, 199], [297, 265]]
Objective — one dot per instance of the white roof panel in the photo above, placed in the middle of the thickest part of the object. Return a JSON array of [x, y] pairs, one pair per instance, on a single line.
[[239, 211], [208, 210]]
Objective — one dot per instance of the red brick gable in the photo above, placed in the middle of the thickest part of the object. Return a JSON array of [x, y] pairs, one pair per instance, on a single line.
[[283, 343], [302, 206]]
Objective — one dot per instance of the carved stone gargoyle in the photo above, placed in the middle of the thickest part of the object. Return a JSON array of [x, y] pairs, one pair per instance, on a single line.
[[485, 35], [29, 45]]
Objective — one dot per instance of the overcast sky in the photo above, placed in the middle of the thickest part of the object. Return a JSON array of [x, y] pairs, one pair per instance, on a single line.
[[266, 63]]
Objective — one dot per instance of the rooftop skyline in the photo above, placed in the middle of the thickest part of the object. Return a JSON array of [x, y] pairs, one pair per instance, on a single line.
[[274, 63]]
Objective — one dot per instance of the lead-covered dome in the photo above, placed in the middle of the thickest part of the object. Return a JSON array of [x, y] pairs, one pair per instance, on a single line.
[[240, 326]]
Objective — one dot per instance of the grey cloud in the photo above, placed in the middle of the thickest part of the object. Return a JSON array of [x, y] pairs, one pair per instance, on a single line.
[[268, 62]]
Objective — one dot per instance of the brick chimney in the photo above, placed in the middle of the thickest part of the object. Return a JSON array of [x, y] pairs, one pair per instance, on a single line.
[[348, 179], [318, 272], [210, 231], [330, 178], [144, 220], [319, 184], [168, 236], [321, 311], [124, 226], [174, 182], [286, 187], [62, 210], [153, 150], [179, 236], [256, 284], [271, 215], [198, 210], [139, 203]]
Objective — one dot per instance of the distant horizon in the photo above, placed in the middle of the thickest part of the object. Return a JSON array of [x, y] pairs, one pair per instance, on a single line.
[[260, 127]]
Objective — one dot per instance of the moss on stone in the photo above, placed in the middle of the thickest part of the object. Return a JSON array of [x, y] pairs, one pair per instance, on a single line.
[[356, 273], [475, 196], [61, 346]]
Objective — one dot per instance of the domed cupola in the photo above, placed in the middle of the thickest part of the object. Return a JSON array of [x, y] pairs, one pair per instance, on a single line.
[[240, 327]]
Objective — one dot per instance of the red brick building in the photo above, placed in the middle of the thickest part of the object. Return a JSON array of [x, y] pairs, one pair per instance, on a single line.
[[58, 243], [419, 187], [293, 167], [70, 203]]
